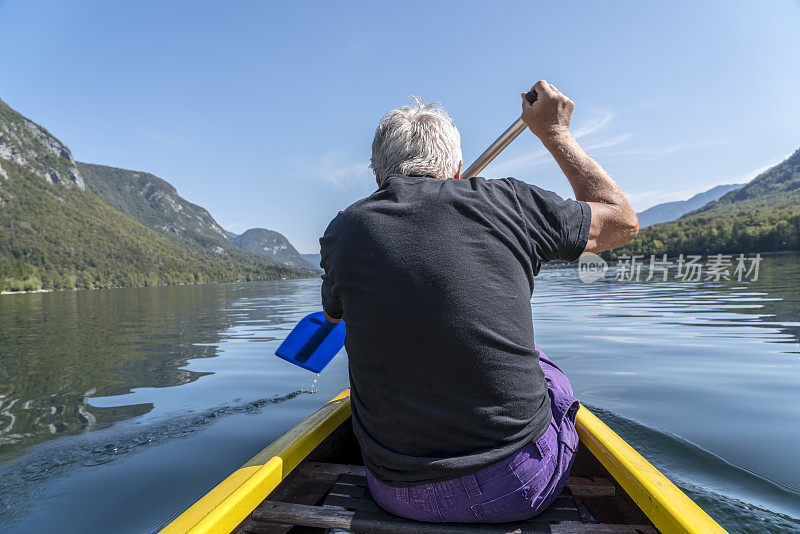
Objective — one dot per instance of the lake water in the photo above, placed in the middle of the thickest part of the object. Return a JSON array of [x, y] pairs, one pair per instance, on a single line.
[[121, 407]]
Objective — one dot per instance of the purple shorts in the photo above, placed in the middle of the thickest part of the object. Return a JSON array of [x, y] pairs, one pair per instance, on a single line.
[[516, 488]]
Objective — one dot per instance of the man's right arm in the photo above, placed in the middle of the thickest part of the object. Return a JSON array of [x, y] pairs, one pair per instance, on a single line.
[[613, 221]]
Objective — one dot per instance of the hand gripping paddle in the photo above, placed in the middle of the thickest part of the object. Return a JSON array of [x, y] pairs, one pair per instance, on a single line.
[[314, 342]]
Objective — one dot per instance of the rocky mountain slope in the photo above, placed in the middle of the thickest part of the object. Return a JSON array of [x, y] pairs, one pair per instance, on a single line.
[[30, 146], [272, 245], [669, 211]]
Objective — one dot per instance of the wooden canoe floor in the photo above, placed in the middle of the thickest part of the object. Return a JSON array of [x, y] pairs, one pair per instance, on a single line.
[[328, 493]]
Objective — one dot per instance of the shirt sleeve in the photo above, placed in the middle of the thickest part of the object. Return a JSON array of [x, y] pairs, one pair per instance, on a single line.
[[558, 228], [331, 300]]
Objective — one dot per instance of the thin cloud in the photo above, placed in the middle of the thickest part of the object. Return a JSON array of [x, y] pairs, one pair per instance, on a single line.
[[594, 124], [337, 170], [532, 159], [611, 141], [752, 174], [655, 152], [653, 198], [540, 156]]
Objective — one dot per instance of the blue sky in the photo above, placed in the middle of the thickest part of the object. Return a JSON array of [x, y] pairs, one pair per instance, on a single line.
[[263, 112]]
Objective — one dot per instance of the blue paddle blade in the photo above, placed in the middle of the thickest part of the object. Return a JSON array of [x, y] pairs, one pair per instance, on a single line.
[[313, 343]]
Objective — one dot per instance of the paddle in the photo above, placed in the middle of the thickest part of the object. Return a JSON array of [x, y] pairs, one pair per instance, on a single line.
[[314, 342]]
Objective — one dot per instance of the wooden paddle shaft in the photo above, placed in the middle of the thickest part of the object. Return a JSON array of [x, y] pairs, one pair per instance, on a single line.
[[501, 143]]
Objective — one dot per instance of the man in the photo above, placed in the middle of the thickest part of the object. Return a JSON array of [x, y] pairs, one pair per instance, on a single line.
[[459, 416]]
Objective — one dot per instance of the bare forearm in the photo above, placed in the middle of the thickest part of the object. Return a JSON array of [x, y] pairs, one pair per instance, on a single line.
[[589, 179], [614, 222]]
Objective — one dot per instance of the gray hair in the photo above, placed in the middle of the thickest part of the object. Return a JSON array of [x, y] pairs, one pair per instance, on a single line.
[[416, 140]]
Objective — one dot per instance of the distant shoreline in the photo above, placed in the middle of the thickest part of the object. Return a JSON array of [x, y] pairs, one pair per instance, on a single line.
[[28, 291], [159, 285], [558, 264]]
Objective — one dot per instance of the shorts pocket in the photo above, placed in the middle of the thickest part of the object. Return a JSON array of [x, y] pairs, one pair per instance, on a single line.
[[514, 506], [536, 473], [568, 436], [489, 474], [539, 464], [401, 494]]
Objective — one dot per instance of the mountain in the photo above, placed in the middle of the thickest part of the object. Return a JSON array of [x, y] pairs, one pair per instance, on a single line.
[[156, 204], [313, 259], [55, 232], [669, 211], [31, 147], [272, 245], [781, 181], [762, 216]]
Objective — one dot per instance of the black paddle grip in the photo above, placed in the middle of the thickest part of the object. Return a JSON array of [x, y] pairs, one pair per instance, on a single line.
[[531, 96]]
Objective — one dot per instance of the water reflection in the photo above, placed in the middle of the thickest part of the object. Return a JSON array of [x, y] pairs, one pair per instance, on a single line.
[[772, 301], [701, 377], [716, 363], [59, 350]]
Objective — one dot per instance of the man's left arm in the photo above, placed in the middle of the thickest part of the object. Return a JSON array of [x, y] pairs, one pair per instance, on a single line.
[[331, 300], [331, 319]]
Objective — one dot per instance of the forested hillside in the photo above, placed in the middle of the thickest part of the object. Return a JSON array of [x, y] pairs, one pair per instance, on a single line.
[[54, 233], [156, 204], [56, 237], [669, 211], [782, 179], [763, 216]]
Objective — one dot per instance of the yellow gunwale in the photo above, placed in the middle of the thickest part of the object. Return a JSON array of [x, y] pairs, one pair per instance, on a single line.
[[225, 506], [670, 510]]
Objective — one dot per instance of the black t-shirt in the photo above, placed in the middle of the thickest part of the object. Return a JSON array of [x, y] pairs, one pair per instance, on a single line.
[[434, 279]]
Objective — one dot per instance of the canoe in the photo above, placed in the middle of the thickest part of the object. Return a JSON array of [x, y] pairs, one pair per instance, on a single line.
[[311, 479]]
